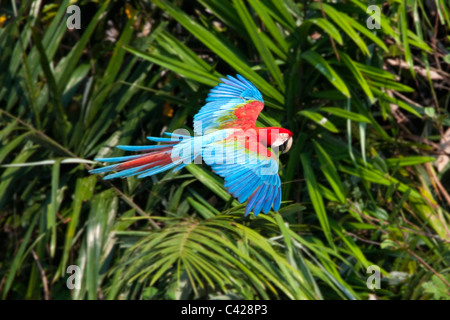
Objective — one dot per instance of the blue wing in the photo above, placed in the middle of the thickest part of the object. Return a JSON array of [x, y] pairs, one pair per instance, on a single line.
[[248, 175], [223, 100]]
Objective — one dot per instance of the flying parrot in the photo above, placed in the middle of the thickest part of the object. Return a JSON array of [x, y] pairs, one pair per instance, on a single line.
[[227, 139]]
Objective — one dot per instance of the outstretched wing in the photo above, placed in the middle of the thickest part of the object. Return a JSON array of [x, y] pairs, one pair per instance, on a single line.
[[251, 173], [234, 103]]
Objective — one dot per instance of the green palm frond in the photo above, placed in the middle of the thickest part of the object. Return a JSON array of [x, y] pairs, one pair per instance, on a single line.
[[365, 183]]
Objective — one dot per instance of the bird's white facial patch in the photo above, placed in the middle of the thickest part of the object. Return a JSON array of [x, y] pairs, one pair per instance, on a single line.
[[282, 138]]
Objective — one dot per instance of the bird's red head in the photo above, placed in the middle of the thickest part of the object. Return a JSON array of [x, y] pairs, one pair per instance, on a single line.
[[276, 137]]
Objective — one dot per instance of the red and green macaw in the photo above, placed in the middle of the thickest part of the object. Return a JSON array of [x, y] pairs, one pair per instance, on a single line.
[[227, 139]]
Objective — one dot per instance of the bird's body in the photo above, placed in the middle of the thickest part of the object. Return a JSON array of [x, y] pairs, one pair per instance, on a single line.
[[227, 139]]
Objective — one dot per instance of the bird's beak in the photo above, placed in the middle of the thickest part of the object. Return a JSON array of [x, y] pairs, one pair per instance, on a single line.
[[287, 145]]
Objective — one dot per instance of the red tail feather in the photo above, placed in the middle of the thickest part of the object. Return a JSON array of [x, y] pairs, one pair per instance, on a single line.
[[153, 159]]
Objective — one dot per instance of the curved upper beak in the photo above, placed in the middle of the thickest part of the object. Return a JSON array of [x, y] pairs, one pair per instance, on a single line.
[[287, 145]]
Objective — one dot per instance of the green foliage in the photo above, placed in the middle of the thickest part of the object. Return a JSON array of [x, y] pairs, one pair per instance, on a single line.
[[361, 186], [437, 288]]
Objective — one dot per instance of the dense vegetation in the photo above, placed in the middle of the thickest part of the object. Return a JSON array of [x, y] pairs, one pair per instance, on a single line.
[[366, 183]]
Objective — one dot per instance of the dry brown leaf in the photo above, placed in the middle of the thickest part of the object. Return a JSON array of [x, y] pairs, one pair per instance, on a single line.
[[444, 150]]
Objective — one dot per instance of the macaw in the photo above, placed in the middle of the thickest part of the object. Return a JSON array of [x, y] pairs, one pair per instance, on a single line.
[[227, 139]]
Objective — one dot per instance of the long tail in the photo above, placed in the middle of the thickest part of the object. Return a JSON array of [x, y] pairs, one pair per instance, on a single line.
[[159, 159]]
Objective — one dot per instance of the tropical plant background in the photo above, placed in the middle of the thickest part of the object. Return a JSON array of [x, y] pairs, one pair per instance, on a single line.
[[366, 183]]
